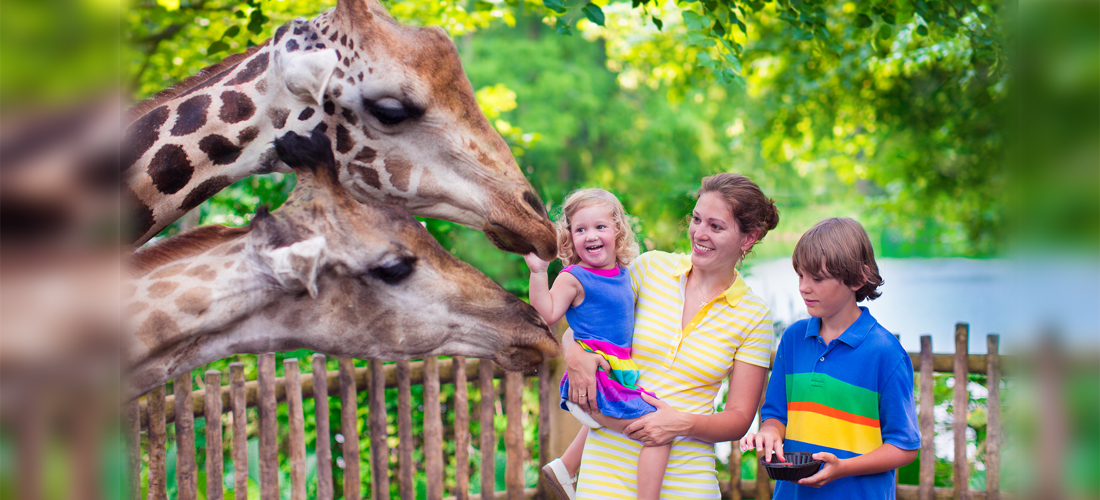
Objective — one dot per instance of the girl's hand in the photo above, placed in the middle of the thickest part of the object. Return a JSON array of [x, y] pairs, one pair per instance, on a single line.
[[830, 471], [766, 443], [660, 427], [536, 264], [581, 366]]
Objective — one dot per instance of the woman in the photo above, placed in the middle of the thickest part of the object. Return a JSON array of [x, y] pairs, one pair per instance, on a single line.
[[695, 323]]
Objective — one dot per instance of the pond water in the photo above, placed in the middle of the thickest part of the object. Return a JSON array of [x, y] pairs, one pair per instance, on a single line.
[[1015, 298]]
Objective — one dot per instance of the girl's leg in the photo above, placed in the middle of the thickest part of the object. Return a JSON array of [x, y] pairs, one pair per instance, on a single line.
[[572, 456], [652, 462]]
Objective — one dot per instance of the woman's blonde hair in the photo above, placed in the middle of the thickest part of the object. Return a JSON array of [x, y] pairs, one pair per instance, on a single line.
[[625, 246]]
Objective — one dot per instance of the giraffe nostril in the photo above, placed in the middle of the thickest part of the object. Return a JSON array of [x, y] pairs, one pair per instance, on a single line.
[[535, 203]]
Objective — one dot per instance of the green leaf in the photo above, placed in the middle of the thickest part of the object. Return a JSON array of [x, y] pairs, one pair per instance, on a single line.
[[803, 35], [232, 32], [555, 5], [694, 21], [240, 14], [699, 39], [657, 22], [563, 28], [888, 18], [218, 46], [594, 13], [884, 32], [483, 6], [922, 30], [863, 21], [734, 61], [718, 29], [256, 21]]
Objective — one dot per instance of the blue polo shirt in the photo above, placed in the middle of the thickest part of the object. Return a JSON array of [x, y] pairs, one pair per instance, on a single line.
[[846, 398]]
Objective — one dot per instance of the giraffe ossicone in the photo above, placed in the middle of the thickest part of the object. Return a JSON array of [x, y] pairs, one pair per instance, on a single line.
[[324, 272], [393, 99]]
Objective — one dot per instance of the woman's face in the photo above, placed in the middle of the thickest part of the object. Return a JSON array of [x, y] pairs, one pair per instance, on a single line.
[[716, 239]]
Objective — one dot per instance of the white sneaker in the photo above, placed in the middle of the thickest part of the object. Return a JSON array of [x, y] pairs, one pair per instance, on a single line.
[[557, 476], [581, 416]]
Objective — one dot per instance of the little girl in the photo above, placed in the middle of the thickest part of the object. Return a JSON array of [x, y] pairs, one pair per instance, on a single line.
[[595, 295]]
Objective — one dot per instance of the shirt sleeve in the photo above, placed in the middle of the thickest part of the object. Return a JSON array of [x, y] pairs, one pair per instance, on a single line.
[[775, 398], [637, 269], [897, 409], [757, 340]]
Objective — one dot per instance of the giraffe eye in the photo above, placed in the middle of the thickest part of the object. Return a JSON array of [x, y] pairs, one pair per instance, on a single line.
[[395, 272], [390, 111]]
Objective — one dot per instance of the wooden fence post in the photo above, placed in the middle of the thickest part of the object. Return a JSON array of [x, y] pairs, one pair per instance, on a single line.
[[379, 448], [544, 427], [133, 450], [324, 432], [237, 403], [213, 414], [735, 471], [961, 403], [269, 446], [296, 435], [488, 432], [349, 428], [513, 434], [763, 482], [186, 476], [405, 464], [433, 431], [993, 406], [158, 466], [461, 430], [927, 432]]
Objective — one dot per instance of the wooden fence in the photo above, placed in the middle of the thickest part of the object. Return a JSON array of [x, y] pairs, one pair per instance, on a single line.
[[152, 415]]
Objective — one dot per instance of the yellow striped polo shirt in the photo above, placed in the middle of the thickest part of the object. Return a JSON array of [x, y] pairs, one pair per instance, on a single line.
[[684, 367]]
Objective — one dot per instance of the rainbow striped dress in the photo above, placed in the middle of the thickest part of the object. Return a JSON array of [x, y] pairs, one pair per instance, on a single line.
[[604, 324]]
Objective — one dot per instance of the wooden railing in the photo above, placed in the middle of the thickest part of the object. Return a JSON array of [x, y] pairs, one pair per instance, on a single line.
[[152, 415]]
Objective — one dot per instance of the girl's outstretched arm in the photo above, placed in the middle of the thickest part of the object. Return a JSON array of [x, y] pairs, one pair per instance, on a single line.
[[551, 303]]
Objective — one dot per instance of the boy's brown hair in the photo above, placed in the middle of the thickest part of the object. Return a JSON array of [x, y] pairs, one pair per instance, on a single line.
[[626, 247], [847, 252]]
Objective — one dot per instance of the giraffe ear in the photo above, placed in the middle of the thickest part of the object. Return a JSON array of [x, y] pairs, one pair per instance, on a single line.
[[297, 266], [307, 73]]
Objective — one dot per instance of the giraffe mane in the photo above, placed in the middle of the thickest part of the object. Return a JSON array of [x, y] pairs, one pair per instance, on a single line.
[[184, 245], [143, 107]]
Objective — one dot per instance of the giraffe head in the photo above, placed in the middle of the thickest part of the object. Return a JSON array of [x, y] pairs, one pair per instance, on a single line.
[[325, 272], [393, 99]]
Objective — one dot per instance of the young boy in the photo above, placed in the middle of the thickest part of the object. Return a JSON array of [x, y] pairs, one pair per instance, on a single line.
[[842, 385]]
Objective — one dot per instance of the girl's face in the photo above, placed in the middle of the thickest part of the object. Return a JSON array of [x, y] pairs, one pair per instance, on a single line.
[[716, 240], [594, 232]]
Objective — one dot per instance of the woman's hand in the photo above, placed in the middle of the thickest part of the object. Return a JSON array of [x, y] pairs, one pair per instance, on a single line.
[[830, 471], [660, 427], [581, 366]]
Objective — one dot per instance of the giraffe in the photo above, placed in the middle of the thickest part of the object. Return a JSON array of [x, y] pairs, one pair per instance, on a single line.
[[393, 99], [324, 272]]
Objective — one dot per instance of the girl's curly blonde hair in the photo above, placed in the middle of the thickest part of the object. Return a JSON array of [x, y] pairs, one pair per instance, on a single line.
[[626, 248]]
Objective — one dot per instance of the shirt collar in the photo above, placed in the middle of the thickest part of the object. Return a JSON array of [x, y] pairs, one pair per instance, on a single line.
[[854, 335], [732, 294]]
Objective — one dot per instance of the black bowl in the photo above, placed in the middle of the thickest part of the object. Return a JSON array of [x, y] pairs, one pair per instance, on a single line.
[[798, 465]]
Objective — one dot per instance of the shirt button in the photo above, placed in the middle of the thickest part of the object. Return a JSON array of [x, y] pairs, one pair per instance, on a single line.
[[822, 358], [691, 324]]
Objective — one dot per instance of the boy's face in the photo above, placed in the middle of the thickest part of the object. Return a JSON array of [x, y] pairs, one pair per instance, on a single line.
[[825, 296]]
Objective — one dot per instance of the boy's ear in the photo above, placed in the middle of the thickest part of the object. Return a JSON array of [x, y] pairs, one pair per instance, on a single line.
[[862, 278]]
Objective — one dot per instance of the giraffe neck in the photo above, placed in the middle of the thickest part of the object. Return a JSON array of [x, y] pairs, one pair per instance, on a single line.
[[219, 129]]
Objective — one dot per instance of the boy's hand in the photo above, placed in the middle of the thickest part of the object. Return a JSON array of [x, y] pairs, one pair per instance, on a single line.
[[830, 471], [766, 442], [536, 264]]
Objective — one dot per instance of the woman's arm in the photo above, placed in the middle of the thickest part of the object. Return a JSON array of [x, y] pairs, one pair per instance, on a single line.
[[662, 426], [581, 366], [551, 303]]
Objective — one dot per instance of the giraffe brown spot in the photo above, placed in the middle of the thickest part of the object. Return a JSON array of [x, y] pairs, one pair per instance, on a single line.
[[367, 132], [360, 76], [278, 116], [321, 127], [232, 249], [313, 36], [221, 150], [195, 300], [305, 114], [248, 134], [351, 44], [344, 40], [162, 289], [170, 169], [228, 265], [236, 107], [324, 31], [298, 30], [279, 33], [429, 188], [202, 272], [349, 116], [330, 107], [129, 291], [347, 62], [254, 68], [141, 136], [168, 271], [140, 217], [351, 80], [344, 142], [337, 73], [291, 45], [243, 267], [159, 325], [134, 308], [400, 169], [367, 175], [205, 191], [320, 46], [337, 91], [191, 115], [366, 155], [261, 87]]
